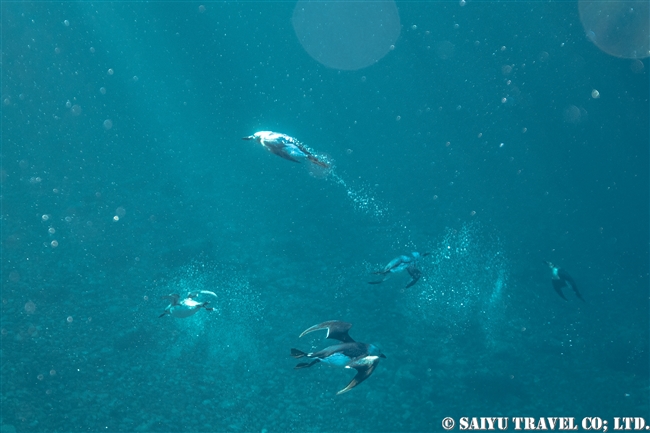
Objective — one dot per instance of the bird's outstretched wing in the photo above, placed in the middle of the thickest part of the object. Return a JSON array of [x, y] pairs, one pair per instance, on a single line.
[[336, 330], [558, 285], [568, 279], [415, 275], [364, 368]]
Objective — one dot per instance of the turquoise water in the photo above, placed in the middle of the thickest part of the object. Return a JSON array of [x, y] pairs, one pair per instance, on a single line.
[[477, 138]]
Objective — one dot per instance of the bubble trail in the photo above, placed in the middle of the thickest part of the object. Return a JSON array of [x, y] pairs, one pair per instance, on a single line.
[[466, 283], [362, 201]]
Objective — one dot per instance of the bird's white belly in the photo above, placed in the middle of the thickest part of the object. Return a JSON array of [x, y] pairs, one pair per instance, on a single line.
[[182, 311], [337, 359]]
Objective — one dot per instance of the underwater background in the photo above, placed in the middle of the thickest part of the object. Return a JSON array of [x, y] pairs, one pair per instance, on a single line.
[[494, 135]]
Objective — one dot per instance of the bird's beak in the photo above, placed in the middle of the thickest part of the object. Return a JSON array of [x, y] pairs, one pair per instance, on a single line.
[[250, 137], [382, 356]]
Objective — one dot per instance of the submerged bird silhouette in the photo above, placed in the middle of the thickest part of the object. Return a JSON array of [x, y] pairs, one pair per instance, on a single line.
[[185, 307], [561, 279], [286, 147], [398, 264], [349, 354]]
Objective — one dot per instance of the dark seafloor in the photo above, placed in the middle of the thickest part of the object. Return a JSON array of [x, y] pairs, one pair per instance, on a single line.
[[477, 138]]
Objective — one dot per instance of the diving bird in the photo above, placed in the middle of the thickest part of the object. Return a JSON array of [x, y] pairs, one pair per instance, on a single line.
[[398, 264], [185, 307], [349, 354], [286, 147], [561, 279]]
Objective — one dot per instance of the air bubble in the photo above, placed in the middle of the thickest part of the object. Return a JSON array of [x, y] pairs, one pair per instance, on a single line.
[[480, 294], [361, 200], [30, 307]]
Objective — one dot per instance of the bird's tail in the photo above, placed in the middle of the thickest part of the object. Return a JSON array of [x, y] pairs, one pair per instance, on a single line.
[[317, 161], [385, 275], [300, 354]]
